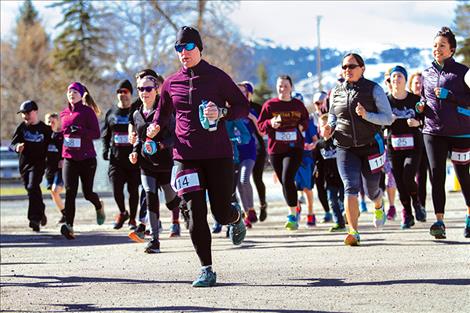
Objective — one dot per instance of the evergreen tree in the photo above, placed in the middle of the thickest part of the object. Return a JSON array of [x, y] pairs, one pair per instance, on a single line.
[[262, 92], [28, 13], [80, 48], [462, 29]]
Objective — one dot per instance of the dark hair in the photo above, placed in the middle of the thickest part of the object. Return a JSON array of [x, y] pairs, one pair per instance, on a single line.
[[357, 57], [90, 102], [286, 77], [146, 72], [447, 33]]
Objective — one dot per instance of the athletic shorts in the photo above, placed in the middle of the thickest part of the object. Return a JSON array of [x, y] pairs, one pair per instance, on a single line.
[[54, 178], [304, 176]]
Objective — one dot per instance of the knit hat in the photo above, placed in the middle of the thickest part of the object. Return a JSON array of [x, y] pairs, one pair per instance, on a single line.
[[125, 84], [28, 106], [188, 34], [249, 86], [78, 87], [400, 69]]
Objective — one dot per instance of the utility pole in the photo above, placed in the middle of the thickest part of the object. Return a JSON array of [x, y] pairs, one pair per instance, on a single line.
[[320, 87]]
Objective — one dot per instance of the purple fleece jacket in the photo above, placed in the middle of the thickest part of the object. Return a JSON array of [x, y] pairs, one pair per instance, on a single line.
[[182, 93]]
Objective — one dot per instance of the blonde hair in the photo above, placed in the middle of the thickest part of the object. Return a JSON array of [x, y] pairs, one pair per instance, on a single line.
[[51, 115], [324, 117], [88, 100], [410, 81]]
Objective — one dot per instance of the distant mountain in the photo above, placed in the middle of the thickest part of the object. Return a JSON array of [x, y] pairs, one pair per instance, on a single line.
[[300, 64]]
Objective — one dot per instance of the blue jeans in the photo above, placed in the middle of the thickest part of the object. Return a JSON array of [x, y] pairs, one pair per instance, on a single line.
[[354, 162], [335, 196]]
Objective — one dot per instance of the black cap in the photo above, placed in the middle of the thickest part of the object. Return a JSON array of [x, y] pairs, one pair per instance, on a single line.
[[188, 34], [126, 84], [28, 106]]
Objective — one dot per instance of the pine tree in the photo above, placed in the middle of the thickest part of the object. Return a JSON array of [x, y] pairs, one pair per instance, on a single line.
[[80, 48], [28, 13], [462, 29], [262, 92]]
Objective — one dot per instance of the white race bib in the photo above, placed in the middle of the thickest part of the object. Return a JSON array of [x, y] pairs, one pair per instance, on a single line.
[[376, 162], [402, 142], [460, 156], [73, 143], [185, 181], [52, 148], [328, 154], [121, 139], [286, 136]]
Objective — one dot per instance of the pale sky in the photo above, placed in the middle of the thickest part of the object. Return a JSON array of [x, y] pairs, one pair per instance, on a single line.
[[366, 26]]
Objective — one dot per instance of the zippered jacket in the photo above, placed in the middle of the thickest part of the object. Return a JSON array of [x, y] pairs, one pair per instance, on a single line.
[[446, 117], [182, 93]]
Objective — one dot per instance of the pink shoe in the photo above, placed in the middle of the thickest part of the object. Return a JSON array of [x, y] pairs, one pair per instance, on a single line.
[[392, 213]]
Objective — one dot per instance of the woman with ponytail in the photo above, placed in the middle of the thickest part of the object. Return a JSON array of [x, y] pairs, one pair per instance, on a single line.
[[80, 127]]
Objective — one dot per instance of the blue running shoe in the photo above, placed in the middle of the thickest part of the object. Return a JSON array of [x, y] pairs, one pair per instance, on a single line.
[[216, 228], [328, 218], [207, 278], [291, 223], [237, 231], [363, 206], [466, 232], [438, 230]]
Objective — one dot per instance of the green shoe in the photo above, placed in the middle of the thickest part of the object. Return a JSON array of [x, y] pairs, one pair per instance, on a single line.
[[100, 216], [291, 223], [352, 239], [207, 278], [337, 228], [379, 217]]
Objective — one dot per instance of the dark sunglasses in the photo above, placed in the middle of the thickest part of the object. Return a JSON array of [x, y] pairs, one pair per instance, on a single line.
[[122, 91], [188, 47], [148, 89], [350, 66]]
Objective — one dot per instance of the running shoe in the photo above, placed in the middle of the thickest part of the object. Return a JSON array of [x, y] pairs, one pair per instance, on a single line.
[[337, 228], [132, 224], [119, 219], [298, 211], [67, 231], [407, 220], [216, 228], [184, 210], [466, 231], [311, 220], [392, 213], [420, 212], [327, 218], [100, 216], [363, 206], [138, 235], [44, 220], [252, 216], [34, 226], [237, 231], [438, 230], [207, 278], [247, 223], [379, 217], [263, 213], [352, 239], [175, 230], [153, 246], [291, 223], [62, 219]]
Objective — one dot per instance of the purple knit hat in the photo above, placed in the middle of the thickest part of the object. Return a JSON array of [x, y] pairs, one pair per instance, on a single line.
[[78, 87]]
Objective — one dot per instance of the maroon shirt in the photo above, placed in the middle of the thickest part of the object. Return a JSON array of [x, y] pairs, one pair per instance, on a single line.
[[288, 136], [78, 145], [182, 93]]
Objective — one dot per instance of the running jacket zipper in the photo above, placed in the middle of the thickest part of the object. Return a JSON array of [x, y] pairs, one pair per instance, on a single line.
[[352, 120], [191, 74]]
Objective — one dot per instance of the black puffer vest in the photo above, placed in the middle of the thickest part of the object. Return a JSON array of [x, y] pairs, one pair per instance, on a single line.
[[351, 129]]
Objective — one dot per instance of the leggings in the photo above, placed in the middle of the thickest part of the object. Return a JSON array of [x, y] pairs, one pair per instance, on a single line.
[[32, 179], [258, 170], [320, 184], [244, 185], [422, 177], [72, 171], [437, 149], [216, 177], [286, 165], [404, 167], [119, 176]]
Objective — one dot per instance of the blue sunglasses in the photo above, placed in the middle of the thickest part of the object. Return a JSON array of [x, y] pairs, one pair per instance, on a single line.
[[188, 47]]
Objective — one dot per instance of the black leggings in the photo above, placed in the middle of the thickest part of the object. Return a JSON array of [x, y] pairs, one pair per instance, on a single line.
[[119, 176], [72, 171], [422, 177], [437, 148], [404, 168], [215, 176], [286, 165], [32, 180], [257, 174], [321, 184]]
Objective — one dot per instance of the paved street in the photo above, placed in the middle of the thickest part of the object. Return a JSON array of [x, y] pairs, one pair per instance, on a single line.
[[274, 270]]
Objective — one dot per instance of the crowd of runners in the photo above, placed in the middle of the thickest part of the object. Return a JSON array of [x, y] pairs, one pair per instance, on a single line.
[[197, 138]]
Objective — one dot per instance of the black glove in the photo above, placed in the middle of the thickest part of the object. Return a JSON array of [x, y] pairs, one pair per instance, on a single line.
[[106, 155], [73, 129]]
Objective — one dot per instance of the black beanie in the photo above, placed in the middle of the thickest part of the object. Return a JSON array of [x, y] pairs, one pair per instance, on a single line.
[[188, 34], [125, 84]]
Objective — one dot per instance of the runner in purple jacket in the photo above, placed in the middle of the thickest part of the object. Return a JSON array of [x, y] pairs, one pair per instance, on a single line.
[[445, 102], [80, 127], [202, 153]]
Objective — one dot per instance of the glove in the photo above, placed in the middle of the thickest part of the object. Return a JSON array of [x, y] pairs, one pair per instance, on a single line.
[[74, 129]]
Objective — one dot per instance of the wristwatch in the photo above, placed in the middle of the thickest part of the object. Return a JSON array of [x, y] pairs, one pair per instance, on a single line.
[[222, 112]]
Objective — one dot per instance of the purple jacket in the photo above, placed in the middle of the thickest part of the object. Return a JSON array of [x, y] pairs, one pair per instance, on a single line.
[[183, 92], [79, 126], [441, 115]]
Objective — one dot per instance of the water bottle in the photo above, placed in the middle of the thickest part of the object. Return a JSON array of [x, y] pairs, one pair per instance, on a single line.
[[206, 123]]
